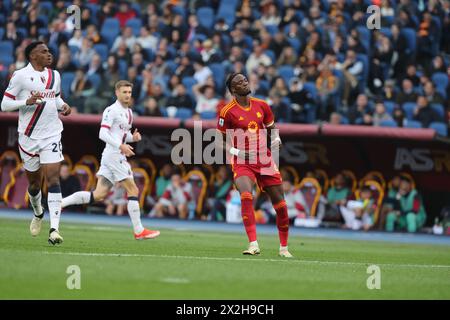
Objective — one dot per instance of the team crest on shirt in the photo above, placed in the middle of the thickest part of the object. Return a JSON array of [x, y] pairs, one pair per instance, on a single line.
[[221, 122], [252, 126], [43, 79], [258, 115], [241, 118]]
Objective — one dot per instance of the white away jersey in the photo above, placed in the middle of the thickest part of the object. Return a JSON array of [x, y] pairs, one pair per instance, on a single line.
[[118, 120], [38, 121]]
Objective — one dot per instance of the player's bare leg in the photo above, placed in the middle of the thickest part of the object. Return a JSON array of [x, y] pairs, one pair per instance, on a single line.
[[245, 186], [140, 233], [54, 198], [87, 197], [279, 204], [35, 196]]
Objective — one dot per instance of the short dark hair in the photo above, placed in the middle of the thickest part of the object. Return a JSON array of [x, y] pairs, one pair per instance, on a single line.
[[230, 79], [366, 189], [30, 48]]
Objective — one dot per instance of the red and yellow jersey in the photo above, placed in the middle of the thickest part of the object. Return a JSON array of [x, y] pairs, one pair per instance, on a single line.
[[245, 124]]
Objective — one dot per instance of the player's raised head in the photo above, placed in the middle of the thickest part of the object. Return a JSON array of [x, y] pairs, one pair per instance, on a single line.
[[124, 89], [38, 53], [238, 84]]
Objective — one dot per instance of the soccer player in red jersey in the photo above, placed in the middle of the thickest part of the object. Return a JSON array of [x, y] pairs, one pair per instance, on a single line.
[[243, 123]]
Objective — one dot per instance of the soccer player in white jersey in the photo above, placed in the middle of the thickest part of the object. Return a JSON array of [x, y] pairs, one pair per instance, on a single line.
[[114, 167], [35, 92]]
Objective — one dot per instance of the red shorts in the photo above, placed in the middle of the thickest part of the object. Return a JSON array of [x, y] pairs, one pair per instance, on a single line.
[[263, 176]]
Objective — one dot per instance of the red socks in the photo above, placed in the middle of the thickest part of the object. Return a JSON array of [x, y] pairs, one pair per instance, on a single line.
[[282, 222], [248, 215]]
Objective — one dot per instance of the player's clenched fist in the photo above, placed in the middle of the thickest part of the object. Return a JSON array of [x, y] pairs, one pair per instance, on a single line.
[[35, 98], [136, 136], [66, 110], [127, 150]]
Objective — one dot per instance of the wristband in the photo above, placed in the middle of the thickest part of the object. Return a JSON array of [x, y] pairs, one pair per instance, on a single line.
[[234, 151]]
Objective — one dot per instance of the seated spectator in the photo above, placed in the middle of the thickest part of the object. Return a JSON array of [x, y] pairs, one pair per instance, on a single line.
[[380, 114], [206, 98], [389, 201], [337, 196], [279, 87], [185, 68], [271, 17], [202, 72], [389, 93], [288, 57], [255, 84], [81, 88], [399, 117], [209, 53], [146, 39], [180, 98], [219, 193], [437, 64], [84, 56], [295, 201], [256, 58], [430, 93], [424, 113], [93, 34], [127, 37], [174, 201], [357, 111], [407, 93], [125, 13], [279, 108], [11, 34], [335, 118], [411, 74], [21, 61], [358, 214], [408, 211], [303, 110], [116, 201], [76, 40], [95, 66], [150, 108]]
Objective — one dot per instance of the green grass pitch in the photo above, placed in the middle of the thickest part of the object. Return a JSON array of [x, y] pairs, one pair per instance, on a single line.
[[208, 265]]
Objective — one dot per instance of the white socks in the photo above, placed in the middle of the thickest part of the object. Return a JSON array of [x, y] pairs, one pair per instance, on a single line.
[[283, 248], [135, 214], [254, 244], [81, 197], [54, 206], [36, 203]]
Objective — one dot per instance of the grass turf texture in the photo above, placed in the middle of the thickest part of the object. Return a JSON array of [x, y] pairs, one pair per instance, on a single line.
[[206, 265]]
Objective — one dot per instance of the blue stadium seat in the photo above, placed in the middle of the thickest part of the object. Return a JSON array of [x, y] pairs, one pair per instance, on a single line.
[[43, 32], [183, 113], [23, 32], [311, 88], [179, 10], [163, 112], [46, 6], [208, 115], [102, 50], [95, 80], [389, 106], [218, 71], [227, 11], [135, 24], [66, 81], [439, 127], [408, 108], [94, 8], [110, 30], [286, 72], [413, 124], [295, 43], [344, 120], [188, 82], [439, 109], [2, 32], [272, 29], [44, 19], [387, 32], [6, 48], [364, 36], [410, 35], [388, 123], [365, 76], [205, 16], [136, 7], [440, 79], [123, 68], [271, 55]]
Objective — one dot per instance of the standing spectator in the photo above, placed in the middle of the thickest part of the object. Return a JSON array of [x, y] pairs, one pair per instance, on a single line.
[[424, 113], [327, 85], [408, 211]]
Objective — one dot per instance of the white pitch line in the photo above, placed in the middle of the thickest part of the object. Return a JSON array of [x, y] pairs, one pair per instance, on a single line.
[[88, 254]]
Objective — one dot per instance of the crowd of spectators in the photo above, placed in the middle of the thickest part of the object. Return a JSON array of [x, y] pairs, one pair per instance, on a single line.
[[313, 60]]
